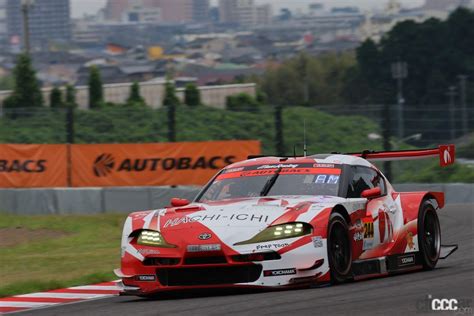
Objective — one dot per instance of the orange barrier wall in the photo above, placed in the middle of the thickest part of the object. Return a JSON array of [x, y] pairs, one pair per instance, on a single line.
[[33, 166], [104, 165]]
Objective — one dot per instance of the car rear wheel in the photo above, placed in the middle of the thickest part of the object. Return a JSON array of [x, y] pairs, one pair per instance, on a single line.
[[429, 235], [339, 249]]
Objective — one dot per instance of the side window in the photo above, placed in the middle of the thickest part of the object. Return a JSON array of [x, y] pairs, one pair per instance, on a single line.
[[364, 178]]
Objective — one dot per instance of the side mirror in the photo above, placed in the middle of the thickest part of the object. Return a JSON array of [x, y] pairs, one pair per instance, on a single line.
[[176, 202], [371, 193]]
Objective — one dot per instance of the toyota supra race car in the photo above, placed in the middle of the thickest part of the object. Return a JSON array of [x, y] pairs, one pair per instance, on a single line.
[[279, 222]]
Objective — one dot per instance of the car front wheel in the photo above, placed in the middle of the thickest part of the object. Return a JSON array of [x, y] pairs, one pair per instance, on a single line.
[[339, 249]]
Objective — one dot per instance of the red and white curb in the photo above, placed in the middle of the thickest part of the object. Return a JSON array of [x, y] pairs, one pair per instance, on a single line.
[[56, 297]]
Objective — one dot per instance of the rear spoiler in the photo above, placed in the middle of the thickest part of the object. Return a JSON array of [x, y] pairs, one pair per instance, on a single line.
[[446, 154]]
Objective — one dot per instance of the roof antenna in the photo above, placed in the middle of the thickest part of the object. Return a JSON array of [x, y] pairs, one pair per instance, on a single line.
[[305, 148]]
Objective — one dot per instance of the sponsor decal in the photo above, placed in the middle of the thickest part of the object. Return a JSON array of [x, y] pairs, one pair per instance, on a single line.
[[146, 252], [410, 242], [139, 215], [233, 170], [406, 260], [326, 179], [105, 164], [368, 243], [358, 228], [145, 278], [204, 248], [205, 236], [23, 166], [257, 173], [268, 170], [323, 165], [280, 272], [358, 236], [215, 218], [317, 241], [277, 166], [272, 246], [358, 225], [392, 208]]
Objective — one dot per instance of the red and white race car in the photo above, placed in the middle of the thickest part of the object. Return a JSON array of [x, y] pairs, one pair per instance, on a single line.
[[278, 222]]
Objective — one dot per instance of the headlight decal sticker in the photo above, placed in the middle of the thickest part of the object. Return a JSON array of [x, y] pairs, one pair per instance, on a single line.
[[279, 232], [319, 224]]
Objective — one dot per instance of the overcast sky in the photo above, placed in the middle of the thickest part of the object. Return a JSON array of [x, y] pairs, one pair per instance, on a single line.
[[79, 7]]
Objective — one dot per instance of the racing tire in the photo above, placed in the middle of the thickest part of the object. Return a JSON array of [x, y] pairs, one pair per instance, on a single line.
[[429, 235], [339, 249]]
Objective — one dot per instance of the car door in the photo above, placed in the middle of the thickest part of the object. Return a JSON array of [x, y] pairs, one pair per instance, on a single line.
[[377, 224]]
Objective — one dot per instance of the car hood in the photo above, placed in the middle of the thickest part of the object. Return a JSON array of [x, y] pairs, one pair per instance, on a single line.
[[254, 212], [233, 220]]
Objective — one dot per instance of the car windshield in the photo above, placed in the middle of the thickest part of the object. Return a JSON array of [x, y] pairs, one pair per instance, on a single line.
[[274, 180]]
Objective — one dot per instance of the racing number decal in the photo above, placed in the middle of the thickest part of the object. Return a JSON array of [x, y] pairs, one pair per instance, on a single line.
[[369, 229]]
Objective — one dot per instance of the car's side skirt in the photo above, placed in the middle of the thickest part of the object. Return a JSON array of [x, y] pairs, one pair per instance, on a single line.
[[393, 264]]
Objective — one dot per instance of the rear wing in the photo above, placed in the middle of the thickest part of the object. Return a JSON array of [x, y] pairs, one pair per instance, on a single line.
[[446, 154]]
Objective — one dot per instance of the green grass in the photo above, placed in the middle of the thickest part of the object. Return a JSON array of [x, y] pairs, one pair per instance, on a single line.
[[86, 251]]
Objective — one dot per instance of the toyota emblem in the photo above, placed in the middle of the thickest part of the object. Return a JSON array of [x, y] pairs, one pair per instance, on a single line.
[[205, 236]]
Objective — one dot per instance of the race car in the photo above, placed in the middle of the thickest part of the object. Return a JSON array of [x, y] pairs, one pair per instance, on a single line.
[[279, 222]]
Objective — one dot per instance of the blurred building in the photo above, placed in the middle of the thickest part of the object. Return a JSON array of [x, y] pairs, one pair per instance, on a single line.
[[201, 10], [115, 8], [139, 14], [3, 23], [171, 11], [244, 12], [264, 15], [442, 8], [446, 5], [50, 23]]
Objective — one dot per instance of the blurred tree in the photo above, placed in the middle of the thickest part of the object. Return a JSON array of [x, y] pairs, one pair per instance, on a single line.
[[436, 53], [26, 92], [56, 98], [192, 95], [307, 80], [171, 101], [135, 99], [262, 97], [242, 102], [96, 93], [71, 96]]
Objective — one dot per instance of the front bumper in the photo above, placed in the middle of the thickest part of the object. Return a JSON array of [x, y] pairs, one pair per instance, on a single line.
[[302, 265]]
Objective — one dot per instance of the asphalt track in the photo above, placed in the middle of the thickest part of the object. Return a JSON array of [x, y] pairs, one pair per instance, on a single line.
[[395, 295]]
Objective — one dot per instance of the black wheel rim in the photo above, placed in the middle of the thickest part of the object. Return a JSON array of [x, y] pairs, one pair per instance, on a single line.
[[431, 237], [339, 248]]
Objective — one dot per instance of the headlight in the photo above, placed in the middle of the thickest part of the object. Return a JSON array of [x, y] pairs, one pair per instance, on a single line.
[[153, 238], [283, 231]]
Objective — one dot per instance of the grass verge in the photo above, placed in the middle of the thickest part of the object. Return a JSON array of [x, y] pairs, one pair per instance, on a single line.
[[85, 250]]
